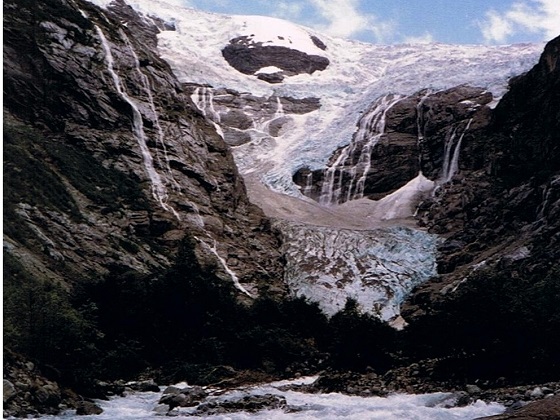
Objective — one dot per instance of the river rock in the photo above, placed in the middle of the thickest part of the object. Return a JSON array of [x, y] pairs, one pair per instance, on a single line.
[[87, 408], [9, 390], [144, 386], [249, 403], [183, 397], [547, 409]]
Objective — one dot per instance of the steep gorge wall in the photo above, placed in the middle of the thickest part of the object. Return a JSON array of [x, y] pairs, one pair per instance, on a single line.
[[108, 163], [501, 213]]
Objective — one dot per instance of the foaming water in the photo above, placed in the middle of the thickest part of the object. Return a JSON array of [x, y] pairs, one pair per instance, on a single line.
[[308, 406]]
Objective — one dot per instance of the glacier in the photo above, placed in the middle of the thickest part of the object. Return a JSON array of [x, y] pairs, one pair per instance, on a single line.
[[362, 249]]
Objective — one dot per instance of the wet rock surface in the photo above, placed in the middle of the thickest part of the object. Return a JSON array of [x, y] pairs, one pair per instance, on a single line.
[[183, 397], [249, 403], [87, 408], [546, 409]]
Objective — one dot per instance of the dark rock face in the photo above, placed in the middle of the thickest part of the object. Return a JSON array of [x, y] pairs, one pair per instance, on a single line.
[[125, 184], [511, 172], [529, 119], [398, 137], [503, 212], [249, 57]]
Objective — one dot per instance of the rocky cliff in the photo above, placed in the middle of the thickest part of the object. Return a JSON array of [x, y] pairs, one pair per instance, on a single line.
[[110, 173], [108, 163], [501, 210]]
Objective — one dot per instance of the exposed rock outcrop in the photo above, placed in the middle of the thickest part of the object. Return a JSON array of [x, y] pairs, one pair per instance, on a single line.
[[243, 117], [109, 166], [249, 57]]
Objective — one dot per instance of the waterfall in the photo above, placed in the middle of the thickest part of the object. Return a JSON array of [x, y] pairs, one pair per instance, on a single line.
[[371, 128], [279, 108], [155, 116], [263, 127], [159, 191], [203, 98], [378, 127], [328, 195], [420, 123], [224, 265], [451, 161], [308, 184]]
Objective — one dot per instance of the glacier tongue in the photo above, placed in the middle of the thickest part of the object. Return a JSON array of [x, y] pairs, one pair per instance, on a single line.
[[377, 268]]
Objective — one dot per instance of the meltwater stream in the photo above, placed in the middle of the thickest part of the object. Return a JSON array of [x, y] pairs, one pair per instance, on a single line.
[[141, 406]]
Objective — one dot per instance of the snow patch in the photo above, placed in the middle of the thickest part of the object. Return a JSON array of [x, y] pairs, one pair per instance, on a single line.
[[402, 203], [270, 31], [269, 70]]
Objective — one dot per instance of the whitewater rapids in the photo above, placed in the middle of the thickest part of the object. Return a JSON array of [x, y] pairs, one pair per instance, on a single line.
[[140, 406]]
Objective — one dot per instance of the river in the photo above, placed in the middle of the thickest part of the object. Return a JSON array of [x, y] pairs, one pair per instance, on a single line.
[[140, 405]]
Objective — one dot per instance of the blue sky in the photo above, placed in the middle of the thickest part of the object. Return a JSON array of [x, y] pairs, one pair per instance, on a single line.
[[396, 21]]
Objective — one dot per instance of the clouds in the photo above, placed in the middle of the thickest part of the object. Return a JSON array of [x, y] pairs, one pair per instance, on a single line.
[[289, 10], [529, 16], [426, 38], [345, 19], [340, 18], [395, 21]]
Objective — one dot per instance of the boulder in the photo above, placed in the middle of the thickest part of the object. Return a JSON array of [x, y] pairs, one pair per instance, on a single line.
[[547, 409], [250, 403], [87, 408], [9, 391], [183, 397], [144, 386]]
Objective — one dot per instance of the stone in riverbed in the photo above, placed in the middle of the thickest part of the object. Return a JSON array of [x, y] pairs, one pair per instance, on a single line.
[[249, 403], [143, 386], [86, 408], [183, 397]]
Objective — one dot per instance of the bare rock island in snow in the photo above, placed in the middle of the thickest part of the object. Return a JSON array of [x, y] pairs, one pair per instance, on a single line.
[[271, 53]]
